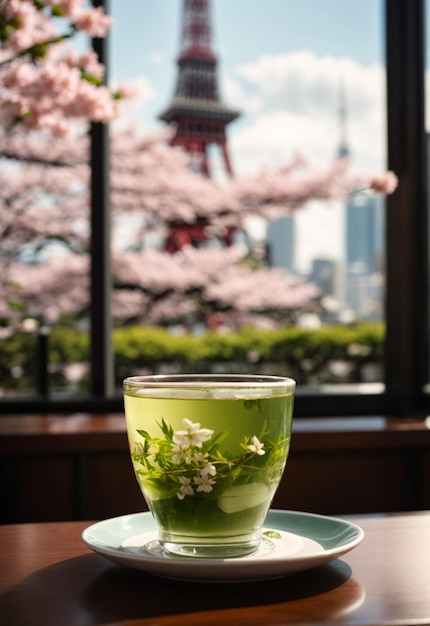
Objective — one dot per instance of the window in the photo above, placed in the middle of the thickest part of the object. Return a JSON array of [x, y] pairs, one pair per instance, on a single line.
[[355, 259]]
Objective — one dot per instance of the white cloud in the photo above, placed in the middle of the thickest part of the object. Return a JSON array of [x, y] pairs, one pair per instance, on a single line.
[[273, 139], [295, 81], [290, 103], [308, 84]]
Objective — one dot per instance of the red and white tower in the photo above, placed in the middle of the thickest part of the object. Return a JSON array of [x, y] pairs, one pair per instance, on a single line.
[[196, 109]]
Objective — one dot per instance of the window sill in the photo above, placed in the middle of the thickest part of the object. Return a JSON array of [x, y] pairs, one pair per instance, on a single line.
[[82, 432]]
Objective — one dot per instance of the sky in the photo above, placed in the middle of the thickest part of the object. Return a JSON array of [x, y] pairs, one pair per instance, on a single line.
[[281, 63]]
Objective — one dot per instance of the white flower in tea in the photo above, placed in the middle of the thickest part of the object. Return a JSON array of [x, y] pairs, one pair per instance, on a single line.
[[204, 482], [200, 458], [192, 435], [138, 449], [181, 453], [152, 450], [208, 470], [186, 488], [256, 446], [190, 462]]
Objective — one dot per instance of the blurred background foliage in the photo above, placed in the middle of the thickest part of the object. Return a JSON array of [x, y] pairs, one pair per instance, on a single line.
[[334, 354]]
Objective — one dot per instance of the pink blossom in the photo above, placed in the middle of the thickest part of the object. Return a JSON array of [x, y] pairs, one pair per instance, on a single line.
[[94, 22], [74, 372], [69, 7], [48, 90], [385, 183], [44, 196], [33, 28], [90, 63]]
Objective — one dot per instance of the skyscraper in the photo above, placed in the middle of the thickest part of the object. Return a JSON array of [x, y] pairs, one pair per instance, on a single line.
[[364, 255], [280, 243], [324, 276], [364, 237]]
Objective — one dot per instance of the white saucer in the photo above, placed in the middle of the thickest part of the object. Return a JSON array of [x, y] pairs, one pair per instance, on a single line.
[[301, 541]]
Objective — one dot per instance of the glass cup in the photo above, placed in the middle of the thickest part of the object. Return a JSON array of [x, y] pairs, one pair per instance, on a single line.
[[208, 452]]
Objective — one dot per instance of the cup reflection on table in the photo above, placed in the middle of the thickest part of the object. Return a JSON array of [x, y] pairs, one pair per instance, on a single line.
[[208, 452]]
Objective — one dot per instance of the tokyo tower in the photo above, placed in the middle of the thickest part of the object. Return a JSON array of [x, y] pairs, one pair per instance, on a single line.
[[196, 109]]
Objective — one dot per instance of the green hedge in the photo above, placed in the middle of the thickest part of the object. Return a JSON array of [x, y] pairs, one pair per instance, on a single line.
[[304, 354], [329, 354]]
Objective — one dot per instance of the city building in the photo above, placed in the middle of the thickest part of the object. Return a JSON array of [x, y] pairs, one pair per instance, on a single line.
[[281, 243], [364, 256]]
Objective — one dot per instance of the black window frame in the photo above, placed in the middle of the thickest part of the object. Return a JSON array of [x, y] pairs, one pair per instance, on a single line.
[[407, 248]]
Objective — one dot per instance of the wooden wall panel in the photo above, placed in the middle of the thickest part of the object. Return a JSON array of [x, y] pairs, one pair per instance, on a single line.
[[46, 488], [110, 487], [66, 468], [341, 483]]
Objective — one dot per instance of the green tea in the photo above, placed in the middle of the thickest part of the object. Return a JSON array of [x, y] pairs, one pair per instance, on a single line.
[[208, 466]]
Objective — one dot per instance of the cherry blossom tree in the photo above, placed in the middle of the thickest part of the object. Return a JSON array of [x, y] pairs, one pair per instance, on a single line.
[[46, 84], [208, 286], [48, 90], [43, 199]]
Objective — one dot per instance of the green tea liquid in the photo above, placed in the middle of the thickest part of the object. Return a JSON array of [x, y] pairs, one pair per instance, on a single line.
[[245, 471]]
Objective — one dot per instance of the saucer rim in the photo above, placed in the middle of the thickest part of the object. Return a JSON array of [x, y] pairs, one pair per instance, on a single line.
[[252, 567]]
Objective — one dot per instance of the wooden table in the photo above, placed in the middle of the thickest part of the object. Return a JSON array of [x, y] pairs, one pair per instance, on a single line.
[[49, 577]]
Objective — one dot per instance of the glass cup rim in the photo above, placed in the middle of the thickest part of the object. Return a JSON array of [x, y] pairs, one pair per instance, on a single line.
[[183, 381]]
